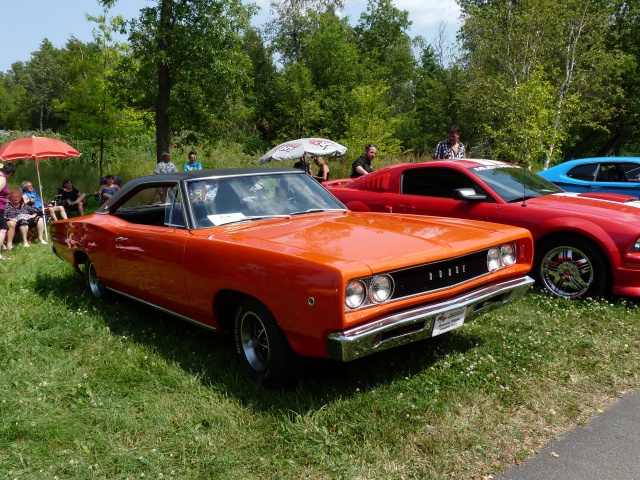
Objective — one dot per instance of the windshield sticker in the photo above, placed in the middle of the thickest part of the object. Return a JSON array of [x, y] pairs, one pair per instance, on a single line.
[[493, 167], [226, 218]]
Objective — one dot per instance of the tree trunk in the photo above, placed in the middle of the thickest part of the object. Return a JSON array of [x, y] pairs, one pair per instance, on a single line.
[[164, 80], [162, 111]]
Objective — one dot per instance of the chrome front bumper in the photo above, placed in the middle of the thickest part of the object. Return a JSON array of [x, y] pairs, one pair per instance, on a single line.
[[413, 325]]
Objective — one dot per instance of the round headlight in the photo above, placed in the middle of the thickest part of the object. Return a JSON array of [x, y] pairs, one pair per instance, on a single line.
[[493, 259], [354, 294], [508, 254], [381, 289]]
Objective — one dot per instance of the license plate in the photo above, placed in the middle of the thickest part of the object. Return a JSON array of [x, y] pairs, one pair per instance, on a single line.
[[448, 321]]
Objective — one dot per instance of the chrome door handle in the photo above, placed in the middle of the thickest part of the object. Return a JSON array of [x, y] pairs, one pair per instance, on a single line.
[[121, 239]]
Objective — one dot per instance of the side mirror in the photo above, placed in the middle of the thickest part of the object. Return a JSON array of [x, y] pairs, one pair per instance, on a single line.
[[468, 194]]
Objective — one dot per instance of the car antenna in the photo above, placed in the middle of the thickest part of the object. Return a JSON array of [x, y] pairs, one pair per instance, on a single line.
[[524, 188]]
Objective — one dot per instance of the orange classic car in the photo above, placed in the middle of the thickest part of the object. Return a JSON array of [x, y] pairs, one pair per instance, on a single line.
[[272, 258]]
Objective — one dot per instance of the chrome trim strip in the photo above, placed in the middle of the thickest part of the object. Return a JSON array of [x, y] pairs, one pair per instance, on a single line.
[[363, 340], [190, 320]]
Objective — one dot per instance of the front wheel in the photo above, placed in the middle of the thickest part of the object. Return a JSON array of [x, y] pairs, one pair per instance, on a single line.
[[572, 268], [96, 287], [262, 347]]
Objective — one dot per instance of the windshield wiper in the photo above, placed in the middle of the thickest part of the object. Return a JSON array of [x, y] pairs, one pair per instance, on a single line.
[[521, 199], [318, 210], [252, 218]]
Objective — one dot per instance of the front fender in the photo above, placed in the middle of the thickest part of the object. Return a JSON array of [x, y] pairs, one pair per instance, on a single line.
[[580, 226]]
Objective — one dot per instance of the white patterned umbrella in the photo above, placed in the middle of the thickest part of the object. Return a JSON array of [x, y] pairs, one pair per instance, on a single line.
[[295, 149]]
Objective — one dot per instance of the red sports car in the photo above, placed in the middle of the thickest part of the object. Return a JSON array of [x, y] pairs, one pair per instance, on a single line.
[[586, 245]]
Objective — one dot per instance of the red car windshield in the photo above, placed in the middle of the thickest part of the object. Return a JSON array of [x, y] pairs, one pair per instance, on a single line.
[[513, 183]]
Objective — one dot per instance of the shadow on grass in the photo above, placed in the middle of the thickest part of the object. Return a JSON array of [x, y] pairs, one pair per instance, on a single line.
[[212, 359]]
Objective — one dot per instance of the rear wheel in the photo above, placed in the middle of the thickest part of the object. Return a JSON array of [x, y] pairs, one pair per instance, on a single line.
[[572, 268], [96, 287], [262, 347]]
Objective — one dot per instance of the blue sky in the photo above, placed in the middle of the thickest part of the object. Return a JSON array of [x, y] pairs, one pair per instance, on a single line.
[[27, 22]]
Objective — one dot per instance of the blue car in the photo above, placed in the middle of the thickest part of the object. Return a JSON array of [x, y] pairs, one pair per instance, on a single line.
[[601, 174]]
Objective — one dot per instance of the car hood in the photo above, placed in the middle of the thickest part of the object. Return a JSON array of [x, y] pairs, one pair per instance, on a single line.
[[573, 203], [380, 240]]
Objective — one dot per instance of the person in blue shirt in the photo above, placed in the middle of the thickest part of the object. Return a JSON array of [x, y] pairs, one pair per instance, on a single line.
[[192, 164], [30, 197]]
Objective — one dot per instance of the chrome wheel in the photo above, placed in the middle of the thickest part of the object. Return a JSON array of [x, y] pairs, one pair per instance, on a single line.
[[572, 268], [96, 287], [262, 347], [255, 341]]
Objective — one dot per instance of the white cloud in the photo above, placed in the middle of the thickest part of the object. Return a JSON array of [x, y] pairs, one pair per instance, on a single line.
[[431, 13]]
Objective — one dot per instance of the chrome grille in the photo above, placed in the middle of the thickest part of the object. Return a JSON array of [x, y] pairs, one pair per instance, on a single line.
[[435, 276]]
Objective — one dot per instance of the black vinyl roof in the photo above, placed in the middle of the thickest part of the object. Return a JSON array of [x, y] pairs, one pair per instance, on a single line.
[[162, 179]]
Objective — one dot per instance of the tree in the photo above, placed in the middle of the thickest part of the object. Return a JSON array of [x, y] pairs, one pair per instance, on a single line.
[[90, 104], [620, 134], [386, 51], [332, 59], [509, 45], [193, 47], [12, 97], [370, 121], [290, 24], [42, 80], [259, 95], [438, 92]]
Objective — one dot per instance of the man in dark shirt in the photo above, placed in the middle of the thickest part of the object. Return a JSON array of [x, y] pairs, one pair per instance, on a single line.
[[362, 165], [303, 165]]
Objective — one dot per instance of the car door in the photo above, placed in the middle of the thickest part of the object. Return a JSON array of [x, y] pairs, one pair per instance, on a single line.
[[618, 177], [430, 191], [148, 252]]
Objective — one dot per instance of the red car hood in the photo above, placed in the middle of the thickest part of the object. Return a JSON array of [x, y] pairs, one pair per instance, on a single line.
[[378, 240], [614, 197], [573, 203]]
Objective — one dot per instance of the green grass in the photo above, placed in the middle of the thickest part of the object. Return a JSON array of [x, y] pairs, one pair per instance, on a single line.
[[119, 391]]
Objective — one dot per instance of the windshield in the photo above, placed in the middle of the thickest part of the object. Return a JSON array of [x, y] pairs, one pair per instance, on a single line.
[[224, 200], [513, 183]]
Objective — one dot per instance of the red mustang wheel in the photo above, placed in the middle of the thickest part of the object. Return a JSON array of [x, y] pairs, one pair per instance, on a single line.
[[571, 268]]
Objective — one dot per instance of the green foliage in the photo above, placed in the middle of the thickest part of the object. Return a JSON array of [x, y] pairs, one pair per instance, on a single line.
[[90, 105], [370, 121], [42, 79], [259, 94], [529, 114], [385, 49], [508, 46], [193, 53], [12, 99]]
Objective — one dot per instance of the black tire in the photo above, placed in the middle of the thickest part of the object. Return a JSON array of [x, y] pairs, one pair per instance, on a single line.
[[262, 347], [572, 268], [95, 286]]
